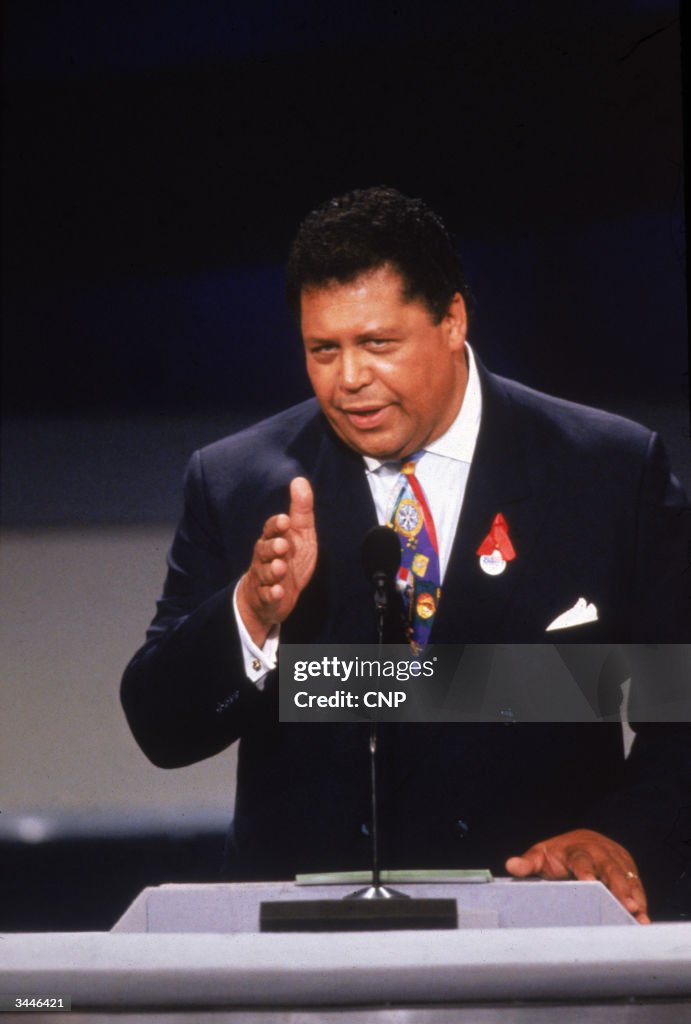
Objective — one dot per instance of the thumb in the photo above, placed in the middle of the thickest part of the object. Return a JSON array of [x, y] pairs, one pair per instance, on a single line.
[[301, 504], [530, 863]]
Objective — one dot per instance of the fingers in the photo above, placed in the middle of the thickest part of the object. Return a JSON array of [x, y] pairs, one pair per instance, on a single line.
[[538, 860], [587, 856], [274, 547], [282, 564], [625, 884], [267, 550], [617, 871], [276, 526], [579, 863], [270, 565], [611, 864], [286, 544]]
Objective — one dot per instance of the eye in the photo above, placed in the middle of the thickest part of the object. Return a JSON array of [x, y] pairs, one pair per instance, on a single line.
[[323, 349], [378, 344]]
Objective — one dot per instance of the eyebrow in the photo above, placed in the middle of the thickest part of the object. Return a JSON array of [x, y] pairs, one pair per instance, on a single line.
[[379, 332]]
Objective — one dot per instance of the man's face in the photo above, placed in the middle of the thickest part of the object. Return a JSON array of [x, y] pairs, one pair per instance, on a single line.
[[388, 379]]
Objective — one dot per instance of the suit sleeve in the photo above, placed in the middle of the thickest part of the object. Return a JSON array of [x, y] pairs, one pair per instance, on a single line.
[[652, 809], [648, 810], [662, 570], [185, 693], [647, 805]]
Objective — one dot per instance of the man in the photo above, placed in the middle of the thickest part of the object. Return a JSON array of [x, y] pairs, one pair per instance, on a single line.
[[584, 534]]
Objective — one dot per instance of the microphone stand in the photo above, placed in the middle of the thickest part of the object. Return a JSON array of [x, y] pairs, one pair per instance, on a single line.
[[377, 891], [376, 907]]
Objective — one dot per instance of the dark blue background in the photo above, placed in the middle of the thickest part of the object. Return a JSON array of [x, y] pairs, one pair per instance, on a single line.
[[158, 157]]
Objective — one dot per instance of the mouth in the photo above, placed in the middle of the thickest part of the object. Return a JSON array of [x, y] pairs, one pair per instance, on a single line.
[[366, 418]]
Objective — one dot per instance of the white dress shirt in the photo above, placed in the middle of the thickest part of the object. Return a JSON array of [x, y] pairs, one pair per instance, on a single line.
[[443, 474]]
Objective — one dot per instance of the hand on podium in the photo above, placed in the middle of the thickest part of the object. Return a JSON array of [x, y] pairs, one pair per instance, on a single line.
[[587, 856]]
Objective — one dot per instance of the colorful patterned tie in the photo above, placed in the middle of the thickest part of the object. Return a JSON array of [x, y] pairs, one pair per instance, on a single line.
[[419, 577]]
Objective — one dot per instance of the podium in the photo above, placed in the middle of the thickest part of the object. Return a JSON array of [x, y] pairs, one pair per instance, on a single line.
[[196, 948], [501, 903]]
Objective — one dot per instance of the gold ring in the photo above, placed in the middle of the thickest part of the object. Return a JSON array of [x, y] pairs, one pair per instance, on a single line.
[[631, 875]]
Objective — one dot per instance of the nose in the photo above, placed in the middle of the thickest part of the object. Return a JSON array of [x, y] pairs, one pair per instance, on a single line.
[[356, 372]]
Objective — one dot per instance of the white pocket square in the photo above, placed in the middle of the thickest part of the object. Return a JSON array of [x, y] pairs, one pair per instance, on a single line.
[[582, 611]]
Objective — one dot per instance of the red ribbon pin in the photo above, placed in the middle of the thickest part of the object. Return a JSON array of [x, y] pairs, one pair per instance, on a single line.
[[498, 540]]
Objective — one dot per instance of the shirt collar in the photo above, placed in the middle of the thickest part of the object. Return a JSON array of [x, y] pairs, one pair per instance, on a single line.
[[459, 441]]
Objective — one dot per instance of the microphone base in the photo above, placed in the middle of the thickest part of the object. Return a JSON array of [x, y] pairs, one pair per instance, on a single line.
[[377, 892]]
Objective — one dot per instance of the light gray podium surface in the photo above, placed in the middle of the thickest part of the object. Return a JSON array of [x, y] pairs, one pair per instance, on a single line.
[[502, 903], [239, 968], [300, 970]]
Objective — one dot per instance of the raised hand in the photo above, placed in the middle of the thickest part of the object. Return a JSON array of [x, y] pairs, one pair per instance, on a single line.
[[282, 565]]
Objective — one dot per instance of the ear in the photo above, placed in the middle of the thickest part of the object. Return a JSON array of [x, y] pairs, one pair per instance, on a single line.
[[457, 321]]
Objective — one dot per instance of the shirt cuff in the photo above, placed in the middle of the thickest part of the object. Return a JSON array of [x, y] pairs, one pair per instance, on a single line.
[[258, 661]]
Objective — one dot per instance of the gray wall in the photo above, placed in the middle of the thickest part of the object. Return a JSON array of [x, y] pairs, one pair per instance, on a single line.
[[74, 603]]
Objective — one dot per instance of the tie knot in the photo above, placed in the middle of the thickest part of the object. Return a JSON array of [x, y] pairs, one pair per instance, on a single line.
[[408, 467]]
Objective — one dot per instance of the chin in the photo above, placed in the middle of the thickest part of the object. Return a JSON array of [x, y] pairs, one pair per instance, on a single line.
[[385, 453], [376, 447]]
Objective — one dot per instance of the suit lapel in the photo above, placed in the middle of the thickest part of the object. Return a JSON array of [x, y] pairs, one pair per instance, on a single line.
[[474, 606], [503, 478]]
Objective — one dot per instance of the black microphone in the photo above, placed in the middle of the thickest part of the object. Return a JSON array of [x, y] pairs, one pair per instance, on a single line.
[[381, 557]]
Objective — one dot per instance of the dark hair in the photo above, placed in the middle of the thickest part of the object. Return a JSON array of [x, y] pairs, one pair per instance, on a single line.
[[369, 228]]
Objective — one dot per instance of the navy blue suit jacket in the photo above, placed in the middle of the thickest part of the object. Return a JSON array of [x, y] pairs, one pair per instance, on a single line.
[[593, 512]]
